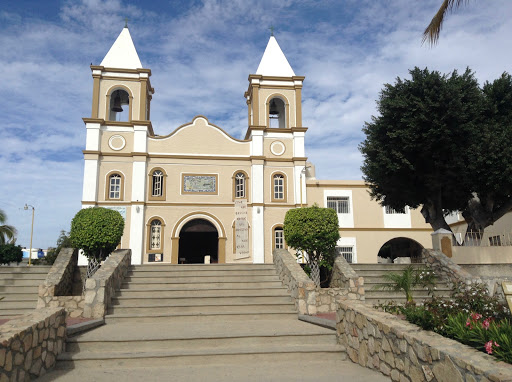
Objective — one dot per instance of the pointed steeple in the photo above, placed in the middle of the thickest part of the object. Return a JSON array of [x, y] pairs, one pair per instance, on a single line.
[[122, 55], [274, 63]]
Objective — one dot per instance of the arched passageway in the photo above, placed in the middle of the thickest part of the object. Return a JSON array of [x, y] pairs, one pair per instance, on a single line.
[[198, 238], [400, 247]]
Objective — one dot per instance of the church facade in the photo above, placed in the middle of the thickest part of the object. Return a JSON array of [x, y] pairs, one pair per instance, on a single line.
[[198, 194]]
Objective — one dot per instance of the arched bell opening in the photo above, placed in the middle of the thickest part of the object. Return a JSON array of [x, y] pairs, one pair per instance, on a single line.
[[400, 247], [119, 108], [198, 238], [277, 113]]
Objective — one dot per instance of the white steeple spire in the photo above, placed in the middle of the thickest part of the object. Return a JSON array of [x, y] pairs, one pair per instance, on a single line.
[[274, 63], [122, 55]]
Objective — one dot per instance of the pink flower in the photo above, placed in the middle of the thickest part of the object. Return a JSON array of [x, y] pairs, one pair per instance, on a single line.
[[476, 316], [488, 347], [486, 324], [496, 344], [468, 323]]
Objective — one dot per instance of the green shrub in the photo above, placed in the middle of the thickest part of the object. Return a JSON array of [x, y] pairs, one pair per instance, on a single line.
[[315, 231], [97, 231], [10, 253], [483, 333], [408, 279]]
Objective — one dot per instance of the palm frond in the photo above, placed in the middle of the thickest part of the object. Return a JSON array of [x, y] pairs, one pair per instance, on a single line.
[[431, 33]]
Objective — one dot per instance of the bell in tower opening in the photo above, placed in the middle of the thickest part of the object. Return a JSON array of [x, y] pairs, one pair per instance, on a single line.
[[118, 99], [276, 114]]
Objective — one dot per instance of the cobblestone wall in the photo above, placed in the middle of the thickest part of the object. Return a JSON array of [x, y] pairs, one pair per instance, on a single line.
[[345, 277], [378, 340], [100, 288], [446, 268], [308, 298], [29, 344]]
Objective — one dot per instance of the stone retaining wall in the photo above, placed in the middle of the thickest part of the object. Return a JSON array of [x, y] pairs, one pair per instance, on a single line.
[[309, 299], [401, 350], [444, 266], [100, 288], [30, 344], [345, 277]]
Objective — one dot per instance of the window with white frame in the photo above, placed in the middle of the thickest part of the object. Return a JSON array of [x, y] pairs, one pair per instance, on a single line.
[[346, 252], [340, 204], [240, 185], [157, 180], [278, 186], [114, 186], [278, 238], [155, 235]]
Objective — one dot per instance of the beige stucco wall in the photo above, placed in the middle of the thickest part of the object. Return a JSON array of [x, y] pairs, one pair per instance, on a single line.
[[482, 255], [109, 165], [106, 135], [287, 142]]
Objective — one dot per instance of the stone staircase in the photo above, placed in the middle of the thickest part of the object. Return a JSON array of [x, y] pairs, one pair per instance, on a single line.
[[204, 322], [373, 276], [19, 287]]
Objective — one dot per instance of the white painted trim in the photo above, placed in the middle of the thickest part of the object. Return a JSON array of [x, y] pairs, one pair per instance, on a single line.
[[200, 155], [258, 235], [348, 242], [137, 229], [90, 185], [277, 83], [397, 220], [124, 75], [118, 129], [298, 145], [269, 134], [275, 151], [139, 181], [344, 220], [92, 136], [257, 184], [117, 136], [155, 217]]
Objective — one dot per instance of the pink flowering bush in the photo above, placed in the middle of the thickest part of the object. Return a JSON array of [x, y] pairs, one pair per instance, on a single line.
[[483, 333]]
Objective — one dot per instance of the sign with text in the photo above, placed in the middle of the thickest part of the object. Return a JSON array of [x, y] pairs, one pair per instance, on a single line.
[[241, 229]]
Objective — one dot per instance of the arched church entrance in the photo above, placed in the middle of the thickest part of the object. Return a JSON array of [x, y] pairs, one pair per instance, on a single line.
[[198, 238], [400, 247]]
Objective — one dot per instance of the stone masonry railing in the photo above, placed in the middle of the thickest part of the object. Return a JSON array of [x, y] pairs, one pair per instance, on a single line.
[[30, 344], [445, 267], [301, 287], [344, 276], [309, 299], [57, 289], [100, 288], [378, 340]]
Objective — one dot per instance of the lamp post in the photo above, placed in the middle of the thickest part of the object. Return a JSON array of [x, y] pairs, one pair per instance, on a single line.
[[31, 232]]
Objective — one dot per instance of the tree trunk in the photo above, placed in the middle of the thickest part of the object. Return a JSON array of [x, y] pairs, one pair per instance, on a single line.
[[315, 271], [480, 215], [434, 215]]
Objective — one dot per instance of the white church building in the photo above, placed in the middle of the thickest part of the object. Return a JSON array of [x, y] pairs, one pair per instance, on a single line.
[[198, 193]]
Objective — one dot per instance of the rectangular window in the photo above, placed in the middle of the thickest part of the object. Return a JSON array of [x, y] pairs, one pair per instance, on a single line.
[[346, 252], [279, 238], [278, 187], [392, 211], [115, 187], [157, 183], [340, 204]]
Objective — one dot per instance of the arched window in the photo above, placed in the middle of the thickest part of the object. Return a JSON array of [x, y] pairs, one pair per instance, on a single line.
[[240, 185], [155, 235], [278, 238], [119, 106], [115, 187], [279, 188], [157, 184], [276, 113]]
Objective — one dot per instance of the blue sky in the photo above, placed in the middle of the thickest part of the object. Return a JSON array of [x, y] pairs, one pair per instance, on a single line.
[[201, 53]]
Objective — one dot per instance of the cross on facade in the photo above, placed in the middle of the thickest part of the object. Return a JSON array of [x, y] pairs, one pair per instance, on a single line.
[[271, 30], [126, 22]]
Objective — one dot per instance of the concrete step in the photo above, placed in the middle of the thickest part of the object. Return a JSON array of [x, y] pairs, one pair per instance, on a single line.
[[201, 279], [151, 300], [388, 267], [20, 282], [173, 285], [199, 356], [13, 296], [172, 273], [173, 293], [202, 309], [189, 344], [4, 289], [23, 276], [199, 267], [6, 304], [182, 317], [44, 269], [15, 312]]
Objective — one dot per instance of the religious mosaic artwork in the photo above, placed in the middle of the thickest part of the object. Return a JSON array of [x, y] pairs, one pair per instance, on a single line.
[[204, 184]]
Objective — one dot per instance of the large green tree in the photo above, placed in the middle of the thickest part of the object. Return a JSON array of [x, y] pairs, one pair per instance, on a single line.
[[313, 230], [415, 151], [490, 159], [7, 232]]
